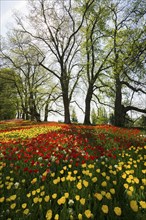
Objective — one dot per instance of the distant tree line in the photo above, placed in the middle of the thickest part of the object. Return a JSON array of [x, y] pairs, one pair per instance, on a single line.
[[85, 54]]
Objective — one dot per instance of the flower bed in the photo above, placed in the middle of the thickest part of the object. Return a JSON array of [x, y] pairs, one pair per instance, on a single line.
[[72, 172]]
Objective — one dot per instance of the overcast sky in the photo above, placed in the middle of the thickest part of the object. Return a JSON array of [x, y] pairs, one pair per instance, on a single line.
[[7, 8]]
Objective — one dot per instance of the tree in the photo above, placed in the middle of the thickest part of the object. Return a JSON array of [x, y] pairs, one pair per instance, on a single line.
[[129, 50], [55, 26], [102, 116], [99, 117], [74, 116], [51, 103], [95, 53], [141, 121], [7, 96], [125, 80], [29, 78], [93, 117], [61, 44]]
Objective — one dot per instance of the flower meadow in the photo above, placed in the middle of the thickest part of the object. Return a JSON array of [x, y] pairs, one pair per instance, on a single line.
[[57, 171]]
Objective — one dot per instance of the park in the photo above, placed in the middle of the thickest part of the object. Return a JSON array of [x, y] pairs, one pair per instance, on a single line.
[[73, 111]]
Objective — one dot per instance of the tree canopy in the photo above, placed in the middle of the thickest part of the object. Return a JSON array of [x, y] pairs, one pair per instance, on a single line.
[[8, 96], [82, 54]]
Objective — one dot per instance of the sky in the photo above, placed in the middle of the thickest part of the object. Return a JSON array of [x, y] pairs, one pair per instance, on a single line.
[[7, 8]]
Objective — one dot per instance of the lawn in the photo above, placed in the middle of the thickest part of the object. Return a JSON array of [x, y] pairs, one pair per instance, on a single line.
[[57, 171]]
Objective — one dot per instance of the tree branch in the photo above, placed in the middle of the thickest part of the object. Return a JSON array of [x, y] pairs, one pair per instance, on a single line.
[[133, 88]]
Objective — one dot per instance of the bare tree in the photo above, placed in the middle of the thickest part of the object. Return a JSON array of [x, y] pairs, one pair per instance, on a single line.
[[54, 26]]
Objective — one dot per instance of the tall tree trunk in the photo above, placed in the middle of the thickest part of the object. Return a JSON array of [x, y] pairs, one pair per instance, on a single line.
[[65, 95], [31, 107], [119, 108], [66, 104], [37, 116], [25, 109], [88, 105], [46, 112], [33, 110], [25, 114]]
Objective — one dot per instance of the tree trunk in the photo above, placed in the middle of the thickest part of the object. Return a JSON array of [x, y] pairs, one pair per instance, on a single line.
[[34, 114], [119, 108], [37, 116], [46, 112], [66, 102], [25, 114], [33, 110], [18, 114], [31, 107], [66, 109], [88, 105]]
